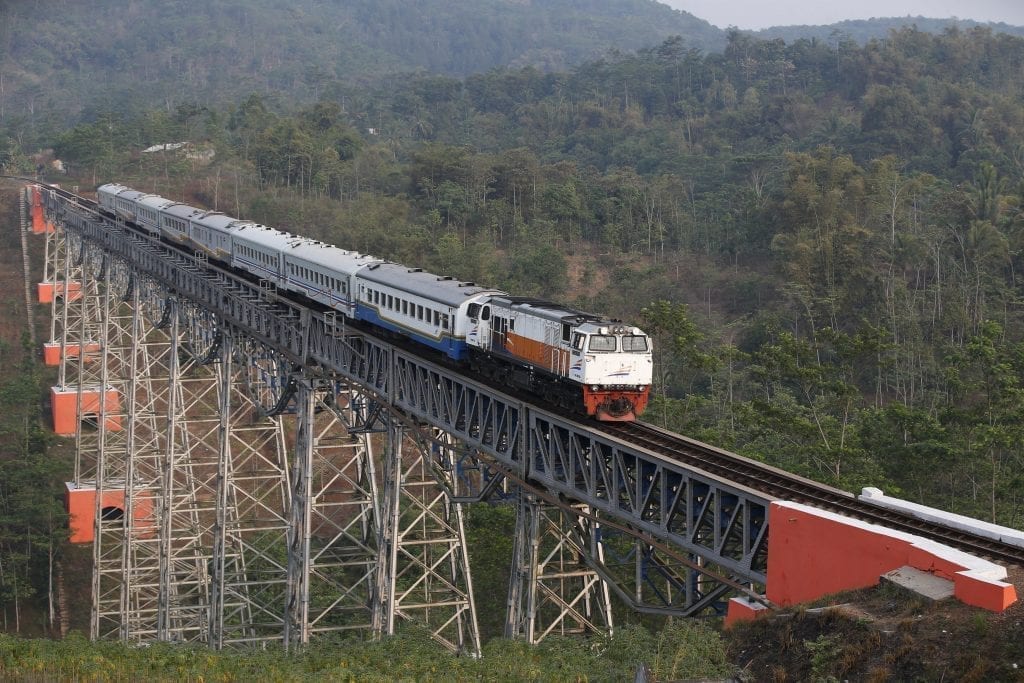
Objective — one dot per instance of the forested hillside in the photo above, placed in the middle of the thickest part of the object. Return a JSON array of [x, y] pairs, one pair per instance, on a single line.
[[56, 54], [862, 31], [63, 61]]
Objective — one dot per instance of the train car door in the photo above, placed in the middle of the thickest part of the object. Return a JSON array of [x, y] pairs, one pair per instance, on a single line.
[[479, 333], [499, 334], [485, 326]]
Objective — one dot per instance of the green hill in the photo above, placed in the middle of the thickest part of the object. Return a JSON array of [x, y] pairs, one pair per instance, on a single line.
[[863, 30], [68, 57]]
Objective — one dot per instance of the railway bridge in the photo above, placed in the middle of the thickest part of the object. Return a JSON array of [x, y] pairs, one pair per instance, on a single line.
[[250, 469]]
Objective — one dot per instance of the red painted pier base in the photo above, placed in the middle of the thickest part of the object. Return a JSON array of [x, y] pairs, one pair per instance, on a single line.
[[813, 553], [744, 609], [48, 291], [51, 352], [64, 407], [38, 220], [80, 502]]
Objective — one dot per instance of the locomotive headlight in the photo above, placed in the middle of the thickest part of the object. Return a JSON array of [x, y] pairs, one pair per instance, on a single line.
[[594, 387]]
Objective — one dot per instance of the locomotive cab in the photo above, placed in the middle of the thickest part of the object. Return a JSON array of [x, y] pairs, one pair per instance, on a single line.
[[614, 364]]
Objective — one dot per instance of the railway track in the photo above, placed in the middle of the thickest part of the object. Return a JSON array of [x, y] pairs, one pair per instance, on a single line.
[[782, 485]]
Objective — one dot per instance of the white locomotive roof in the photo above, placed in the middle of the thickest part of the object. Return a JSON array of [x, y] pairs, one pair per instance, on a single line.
[[328, 255], [445, 290], [547, 309]]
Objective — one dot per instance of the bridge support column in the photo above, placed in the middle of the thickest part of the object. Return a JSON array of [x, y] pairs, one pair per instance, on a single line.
[[102, 453], [553, 590], [246, 479], [332, 548], [425, 573]]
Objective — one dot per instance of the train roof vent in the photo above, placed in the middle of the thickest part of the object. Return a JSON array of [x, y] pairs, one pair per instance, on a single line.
[[445, 277], [415, 270], [467, 284], [373, 266]]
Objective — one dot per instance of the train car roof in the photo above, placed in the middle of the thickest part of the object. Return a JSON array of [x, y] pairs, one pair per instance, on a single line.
[[445, 290], [181, 211], [327, 255], [132, 195], [112, 188], [220, 221], [261, 235], [155, 201]]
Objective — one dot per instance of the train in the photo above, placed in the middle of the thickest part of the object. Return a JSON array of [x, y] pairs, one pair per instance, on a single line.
[[585, 363]]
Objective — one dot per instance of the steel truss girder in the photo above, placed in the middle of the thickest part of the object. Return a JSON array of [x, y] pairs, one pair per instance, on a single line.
[[695, 511]]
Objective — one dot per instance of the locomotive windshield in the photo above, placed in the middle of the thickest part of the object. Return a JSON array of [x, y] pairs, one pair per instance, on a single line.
[[634, 343], [602, 343], [608, 343]]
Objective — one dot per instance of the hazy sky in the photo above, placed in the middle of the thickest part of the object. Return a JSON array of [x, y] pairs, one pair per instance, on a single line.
[[755, 14]]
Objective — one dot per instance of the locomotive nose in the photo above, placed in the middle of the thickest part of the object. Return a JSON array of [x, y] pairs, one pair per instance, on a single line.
[[616, 409]]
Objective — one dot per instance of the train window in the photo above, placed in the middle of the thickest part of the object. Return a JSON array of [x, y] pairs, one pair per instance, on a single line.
[[437, 319], [419, 312], [602, 343], [405, 307], [485, 314], [444, 320], [566, 331], [577, 341], [634, 343]]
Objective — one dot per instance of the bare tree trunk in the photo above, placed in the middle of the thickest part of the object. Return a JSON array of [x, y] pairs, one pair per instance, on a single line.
[[63, 612], [51, 616]]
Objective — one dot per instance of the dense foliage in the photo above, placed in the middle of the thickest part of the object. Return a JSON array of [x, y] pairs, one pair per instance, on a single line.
[[683, 650], [33, 524], [864, 30], [159, 53]]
